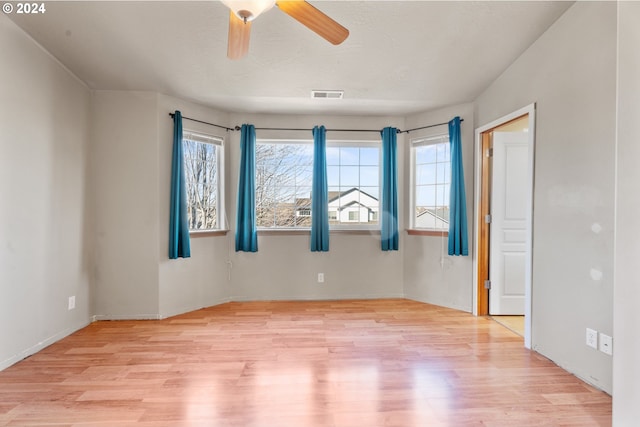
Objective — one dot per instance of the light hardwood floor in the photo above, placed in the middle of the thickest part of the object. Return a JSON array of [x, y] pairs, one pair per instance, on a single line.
[[515, 323], [280, 364]]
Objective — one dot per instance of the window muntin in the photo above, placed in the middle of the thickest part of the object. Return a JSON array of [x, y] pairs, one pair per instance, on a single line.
[[284, 171], [431, 182], [284, 177], [203, 156], [353, 174]]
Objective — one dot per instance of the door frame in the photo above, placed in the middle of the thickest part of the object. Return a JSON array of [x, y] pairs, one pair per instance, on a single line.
[[482, 185]]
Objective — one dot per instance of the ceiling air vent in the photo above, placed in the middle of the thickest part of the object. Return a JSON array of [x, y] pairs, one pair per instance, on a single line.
[[327, 94]]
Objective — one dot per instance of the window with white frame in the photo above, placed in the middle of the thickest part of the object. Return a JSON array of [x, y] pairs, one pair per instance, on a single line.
[[431, 181], [203, 160], [353, 173], [284, 177], [284, 171]]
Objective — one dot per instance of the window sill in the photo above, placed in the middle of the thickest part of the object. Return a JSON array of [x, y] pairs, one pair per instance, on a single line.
[[416, 232], [307, 231], [207, 233]]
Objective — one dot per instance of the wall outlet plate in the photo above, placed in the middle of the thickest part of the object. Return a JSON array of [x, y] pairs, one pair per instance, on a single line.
[[592, 338], [606, 344], [320, 277], [72, 302]]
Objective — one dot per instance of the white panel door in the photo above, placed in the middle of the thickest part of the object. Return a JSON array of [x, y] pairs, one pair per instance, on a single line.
[[510, 216]]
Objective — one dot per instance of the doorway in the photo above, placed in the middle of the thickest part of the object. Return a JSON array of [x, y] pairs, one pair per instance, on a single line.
[[504, 211]]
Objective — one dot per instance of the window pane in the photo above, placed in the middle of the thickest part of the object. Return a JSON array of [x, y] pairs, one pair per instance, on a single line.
[[426, 174], [304, 175], [369, 156], [426, 195], [284, 179], [369, 176], [370, 196], [285, 216], [349, 156], [333, 175], [333, 156], [432, 174], [441, 196], [443, 152], [283, 183], [426, 154], [444, 172], [201, 179], [286, 195], [265, 216], [303, 194], [349, 176]]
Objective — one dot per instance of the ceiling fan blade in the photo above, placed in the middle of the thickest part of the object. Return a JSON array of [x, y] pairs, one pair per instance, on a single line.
[[315, 20], [239, 34]]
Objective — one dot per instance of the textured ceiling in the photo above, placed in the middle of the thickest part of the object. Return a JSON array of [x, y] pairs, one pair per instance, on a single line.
[[401, 56]]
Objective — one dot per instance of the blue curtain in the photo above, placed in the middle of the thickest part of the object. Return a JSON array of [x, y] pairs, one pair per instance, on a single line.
[[319, 193], [389, 217], [246, 234], [458, 244], [179, 244]]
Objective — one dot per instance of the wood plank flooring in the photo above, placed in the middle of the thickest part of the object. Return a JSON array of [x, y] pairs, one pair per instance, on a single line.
[[279, 364], [515, 323]]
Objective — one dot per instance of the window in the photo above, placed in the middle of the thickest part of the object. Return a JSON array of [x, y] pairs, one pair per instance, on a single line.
[[203, 156], [353, 172], [431, 178], [284, 172], [284, 177]]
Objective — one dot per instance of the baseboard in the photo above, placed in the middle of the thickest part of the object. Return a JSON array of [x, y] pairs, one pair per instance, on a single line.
[[313, 297], [439, 304], [183, 310], [98, 317], [41, 345]]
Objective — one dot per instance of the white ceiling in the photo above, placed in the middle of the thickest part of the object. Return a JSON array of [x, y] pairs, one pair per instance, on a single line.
[[401, 57]]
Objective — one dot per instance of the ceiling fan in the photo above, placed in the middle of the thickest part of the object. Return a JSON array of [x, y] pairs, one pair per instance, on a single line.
[[242, 12]]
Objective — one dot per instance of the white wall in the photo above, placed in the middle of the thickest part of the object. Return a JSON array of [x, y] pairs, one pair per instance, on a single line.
[[124, 187], [284, 267], [44, 238], [430, 275], [570, 73], [626, 320], [133, 277]]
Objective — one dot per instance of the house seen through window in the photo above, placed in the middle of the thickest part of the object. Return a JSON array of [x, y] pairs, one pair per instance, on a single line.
[[353, 173], [284, 176], [431, 181], [202, 165]]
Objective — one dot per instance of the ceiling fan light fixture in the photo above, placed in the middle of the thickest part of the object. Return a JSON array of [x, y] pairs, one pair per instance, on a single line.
[[248, 10]]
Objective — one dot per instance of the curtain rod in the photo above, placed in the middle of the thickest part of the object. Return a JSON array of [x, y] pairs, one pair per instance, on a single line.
[[425, 127], [309, 130], [206, 123], [353, 130]]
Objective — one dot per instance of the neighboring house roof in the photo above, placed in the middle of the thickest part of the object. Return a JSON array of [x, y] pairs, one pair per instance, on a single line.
[[432, 213], [429, 219], [305, 203], [334, 195], [355, 203]]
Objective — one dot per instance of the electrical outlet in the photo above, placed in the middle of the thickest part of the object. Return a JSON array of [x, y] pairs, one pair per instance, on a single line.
[[320, 277], [72, 302], [606, 344], [592, 338]]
